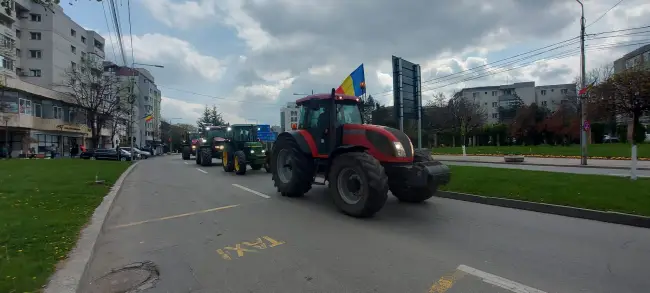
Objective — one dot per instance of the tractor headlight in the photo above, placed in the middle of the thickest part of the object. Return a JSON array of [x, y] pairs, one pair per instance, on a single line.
[[193, 147], [203, 140], [252, 151], [399, 149], [263, 151]]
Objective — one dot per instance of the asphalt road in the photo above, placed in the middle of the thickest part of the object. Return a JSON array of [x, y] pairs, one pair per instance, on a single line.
[[210, 231], [574, 170]]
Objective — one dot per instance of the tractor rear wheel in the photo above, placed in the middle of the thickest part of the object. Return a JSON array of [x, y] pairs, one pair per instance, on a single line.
[[239, 160], [292, 170], [358, 184], [411, 194], [186, 153], [206, 157], [226, 161]]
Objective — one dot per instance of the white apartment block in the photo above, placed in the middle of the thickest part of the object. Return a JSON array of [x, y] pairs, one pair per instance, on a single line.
[[37, 47], [493, 97], [147, 102], [288, 115]]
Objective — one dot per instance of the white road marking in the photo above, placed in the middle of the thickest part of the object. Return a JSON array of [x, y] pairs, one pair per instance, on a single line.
[[202, 171], [251, 191], [185, 163], [498, 281]]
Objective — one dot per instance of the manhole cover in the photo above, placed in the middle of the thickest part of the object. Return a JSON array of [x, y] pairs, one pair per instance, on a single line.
[[128, 279]]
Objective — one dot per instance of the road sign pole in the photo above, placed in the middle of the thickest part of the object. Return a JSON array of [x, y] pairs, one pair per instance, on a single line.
[[401, 94], [418, 95]]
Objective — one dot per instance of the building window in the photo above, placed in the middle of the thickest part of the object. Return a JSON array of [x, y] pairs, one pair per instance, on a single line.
[[36, 54], [18, 34], [73, 66], [474, 95], [73, 33], [494, 93], [99, 45], [7, 63], [543, 92], [25, 106], [35, 72], [35, 35], [494, 115], [83, 39], [18, 52], [58, 112], [83, 55], [72, 115], [544, 103], [73, 49], [35, 17], [38, 110], [564, 91], [494, 104]]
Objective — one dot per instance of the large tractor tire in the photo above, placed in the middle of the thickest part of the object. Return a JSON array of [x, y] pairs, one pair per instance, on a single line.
[[292, 171], [186, 153], [197, 156], [411, 194], [227, 162], [239, 160], [358, 184], [206, 157]]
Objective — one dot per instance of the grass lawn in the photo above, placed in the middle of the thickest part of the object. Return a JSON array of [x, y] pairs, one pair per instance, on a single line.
[[610, 150], [43, 206], [607, 193]]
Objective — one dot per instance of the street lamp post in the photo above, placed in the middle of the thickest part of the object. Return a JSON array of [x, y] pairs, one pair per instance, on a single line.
[[583, 83]]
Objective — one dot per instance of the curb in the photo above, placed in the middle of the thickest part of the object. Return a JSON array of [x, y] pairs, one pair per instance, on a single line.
[[547, 165], [67, 278], [608, 217]]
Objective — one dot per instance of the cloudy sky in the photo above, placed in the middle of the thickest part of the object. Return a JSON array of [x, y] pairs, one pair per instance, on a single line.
[[249, 57]]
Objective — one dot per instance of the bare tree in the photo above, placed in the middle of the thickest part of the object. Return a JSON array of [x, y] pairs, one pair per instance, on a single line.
[[465, 115], [97, 94]]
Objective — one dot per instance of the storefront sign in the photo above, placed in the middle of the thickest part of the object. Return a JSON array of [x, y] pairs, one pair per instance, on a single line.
[[71, 128]]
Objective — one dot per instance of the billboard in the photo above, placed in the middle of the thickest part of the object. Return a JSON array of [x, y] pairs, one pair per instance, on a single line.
[[407, 96]]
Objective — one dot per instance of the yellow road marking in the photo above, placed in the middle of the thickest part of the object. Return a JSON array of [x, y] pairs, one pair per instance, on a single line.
[[175, 216], [446, 282], [258, 243]]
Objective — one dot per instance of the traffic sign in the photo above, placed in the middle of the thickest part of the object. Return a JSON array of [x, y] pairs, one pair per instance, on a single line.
[[587, 125]]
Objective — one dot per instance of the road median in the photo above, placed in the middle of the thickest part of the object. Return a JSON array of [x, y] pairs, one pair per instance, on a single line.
[[603, 198], [44, 205]]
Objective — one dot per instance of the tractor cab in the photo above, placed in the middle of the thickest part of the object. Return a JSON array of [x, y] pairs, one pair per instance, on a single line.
[[215, 135], [244, 137], [243, 148]]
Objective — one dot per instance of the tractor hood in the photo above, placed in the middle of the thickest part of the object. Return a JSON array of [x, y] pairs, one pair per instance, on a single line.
[[219, 139], [389, 132], [254, 144]]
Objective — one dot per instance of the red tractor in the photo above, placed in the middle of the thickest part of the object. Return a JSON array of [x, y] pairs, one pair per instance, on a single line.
[[361, 162]]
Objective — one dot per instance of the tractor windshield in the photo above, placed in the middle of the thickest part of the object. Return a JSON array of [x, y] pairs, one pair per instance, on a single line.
[[217, 133], [245, 133], [348, 114], [194, 135]]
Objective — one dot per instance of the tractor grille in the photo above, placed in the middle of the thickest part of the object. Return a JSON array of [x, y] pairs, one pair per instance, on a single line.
[[403, 138]]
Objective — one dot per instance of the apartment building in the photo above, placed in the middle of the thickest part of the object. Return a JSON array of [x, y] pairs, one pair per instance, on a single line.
[[147, 102], [493, 97], [37, 46], [288, 116], [637, 58]]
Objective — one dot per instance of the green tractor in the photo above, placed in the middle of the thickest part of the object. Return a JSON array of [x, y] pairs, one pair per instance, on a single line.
[[210, 145], [188, 146], [243, 148]]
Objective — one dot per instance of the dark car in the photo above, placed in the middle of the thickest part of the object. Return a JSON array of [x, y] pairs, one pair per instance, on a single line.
[[106, 154]]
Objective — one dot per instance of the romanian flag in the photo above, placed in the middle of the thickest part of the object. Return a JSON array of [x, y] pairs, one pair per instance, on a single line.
[[354, 84], [148, 118], [586, 89]]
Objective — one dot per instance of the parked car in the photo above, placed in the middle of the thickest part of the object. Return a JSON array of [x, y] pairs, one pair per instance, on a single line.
[[610, 138], [139, 153], [106, 154]]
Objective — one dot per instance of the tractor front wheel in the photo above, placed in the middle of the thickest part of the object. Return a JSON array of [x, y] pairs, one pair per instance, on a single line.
[[410, 194], [186, 153], [206, 157], [197, 157], [240, 162], [226, 162], [358, 184], [292, 170]]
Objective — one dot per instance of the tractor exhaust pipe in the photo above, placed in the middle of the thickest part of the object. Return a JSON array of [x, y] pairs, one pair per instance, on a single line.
[[333, 136]]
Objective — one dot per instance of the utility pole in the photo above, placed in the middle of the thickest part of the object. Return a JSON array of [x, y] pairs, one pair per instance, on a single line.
[[583, 84]]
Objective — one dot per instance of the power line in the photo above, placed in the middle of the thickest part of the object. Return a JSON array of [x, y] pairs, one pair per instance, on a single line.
[[110, 34], [128, 5], [602, 15]]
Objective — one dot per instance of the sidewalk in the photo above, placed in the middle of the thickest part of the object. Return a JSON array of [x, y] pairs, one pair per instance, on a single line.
[[559, 162]]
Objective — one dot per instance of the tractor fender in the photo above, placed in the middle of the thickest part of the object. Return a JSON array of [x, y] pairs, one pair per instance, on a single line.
[[304, 139], [339, 151]]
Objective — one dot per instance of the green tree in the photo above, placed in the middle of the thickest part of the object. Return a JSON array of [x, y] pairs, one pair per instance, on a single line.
[[205, 119], [368, 106], [216, 118]]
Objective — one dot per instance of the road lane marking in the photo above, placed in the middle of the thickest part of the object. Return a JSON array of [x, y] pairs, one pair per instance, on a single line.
[[202, 171], [186, 163], [498, 281], [175, 216], [251, 191], [446, 282], [247, 247]]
